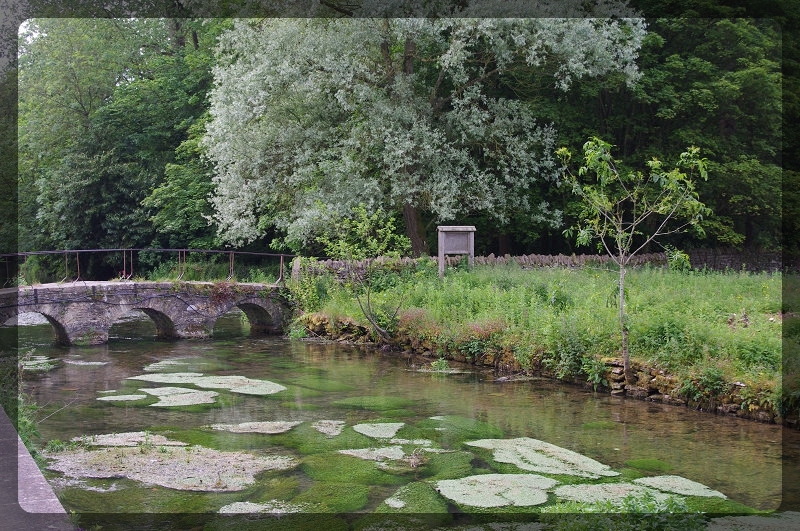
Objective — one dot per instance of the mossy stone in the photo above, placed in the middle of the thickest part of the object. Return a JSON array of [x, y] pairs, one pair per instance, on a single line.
[[336, 497], [334, 467]]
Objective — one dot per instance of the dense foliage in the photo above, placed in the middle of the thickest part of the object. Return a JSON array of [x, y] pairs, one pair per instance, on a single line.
[[181, 132], [706, 329]]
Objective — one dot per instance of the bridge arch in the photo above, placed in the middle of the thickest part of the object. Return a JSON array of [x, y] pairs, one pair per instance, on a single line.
[[83, 312]]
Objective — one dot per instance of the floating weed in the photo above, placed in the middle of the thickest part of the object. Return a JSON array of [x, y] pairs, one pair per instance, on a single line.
[[235, 384], [267, 427], [379, 430], [538, 456], [497, 490]]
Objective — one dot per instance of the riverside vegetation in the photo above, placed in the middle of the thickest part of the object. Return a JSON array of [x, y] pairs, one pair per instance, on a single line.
[[708, 340]]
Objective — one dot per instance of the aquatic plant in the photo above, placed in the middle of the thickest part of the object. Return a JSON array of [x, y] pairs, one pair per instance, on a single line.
[[605, 492], [236, 384], [539, 456], [679, 485], [257, 427], [180, 396], [331, 428], [202, 469], [379, 430], [374, 403], [497, 490]]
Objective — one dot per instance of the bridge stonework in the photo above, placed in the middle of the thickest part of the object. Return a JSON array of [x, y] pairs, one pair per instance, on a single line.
[[83, 312]]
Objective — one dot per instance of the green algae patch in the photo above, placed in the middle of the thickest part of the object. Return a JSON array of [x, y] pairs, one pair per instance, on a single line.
[[296, 393], [308, 439], [452, 430], [447, 465], [418, 497], [320, 383], [374, 403], [649, 465], [334, 497], [278, 487], [714, 505], [335, 467]]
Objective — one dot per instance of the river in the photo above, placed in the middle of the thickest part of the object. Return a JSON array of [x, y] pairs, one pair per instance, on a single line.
[[742, 459]]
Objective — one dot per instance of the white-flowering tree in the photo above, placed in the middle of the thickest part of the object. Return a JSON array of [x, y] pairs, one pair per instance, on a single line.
[[312, 117]]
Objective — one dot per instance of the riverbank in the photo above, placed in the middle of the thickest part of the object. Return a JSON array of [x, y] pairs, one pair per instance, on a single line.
[[708, 341]]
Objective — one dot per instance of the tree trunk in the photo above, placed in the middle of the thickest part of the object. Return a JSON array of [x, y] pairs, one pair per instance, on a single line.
[[623, 327], [414, 230]]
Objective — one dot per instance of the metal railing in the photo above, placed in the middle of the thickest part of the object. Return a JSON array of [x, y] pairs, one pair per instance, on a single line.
[[127, 260]]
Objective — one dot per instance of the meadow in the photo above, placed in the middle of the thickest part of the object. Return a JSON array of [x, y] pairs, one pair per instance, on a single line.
[[716, 333]]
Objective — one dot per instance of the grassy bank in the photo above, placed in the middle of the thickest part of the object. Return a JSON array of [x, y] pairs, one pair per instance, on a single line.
[[713, 338]]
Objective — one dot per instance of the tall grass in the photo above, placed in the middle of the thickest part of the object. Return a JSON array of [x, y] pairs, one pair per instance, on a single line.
[[687, 323]]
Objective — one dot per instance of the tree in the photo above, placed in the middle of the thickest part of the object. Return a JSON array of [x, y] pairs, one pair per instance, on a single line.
[[625, 211], [359, 239], [312, 117]]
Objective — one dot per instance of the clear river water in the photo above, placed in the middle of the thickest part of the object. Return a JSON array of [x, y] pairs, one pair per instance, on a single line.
[[742, 459]]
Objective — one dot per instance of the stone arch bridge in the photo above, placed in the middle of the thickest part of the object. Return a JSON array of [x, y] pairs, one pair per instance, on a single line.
[[83, 312]]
